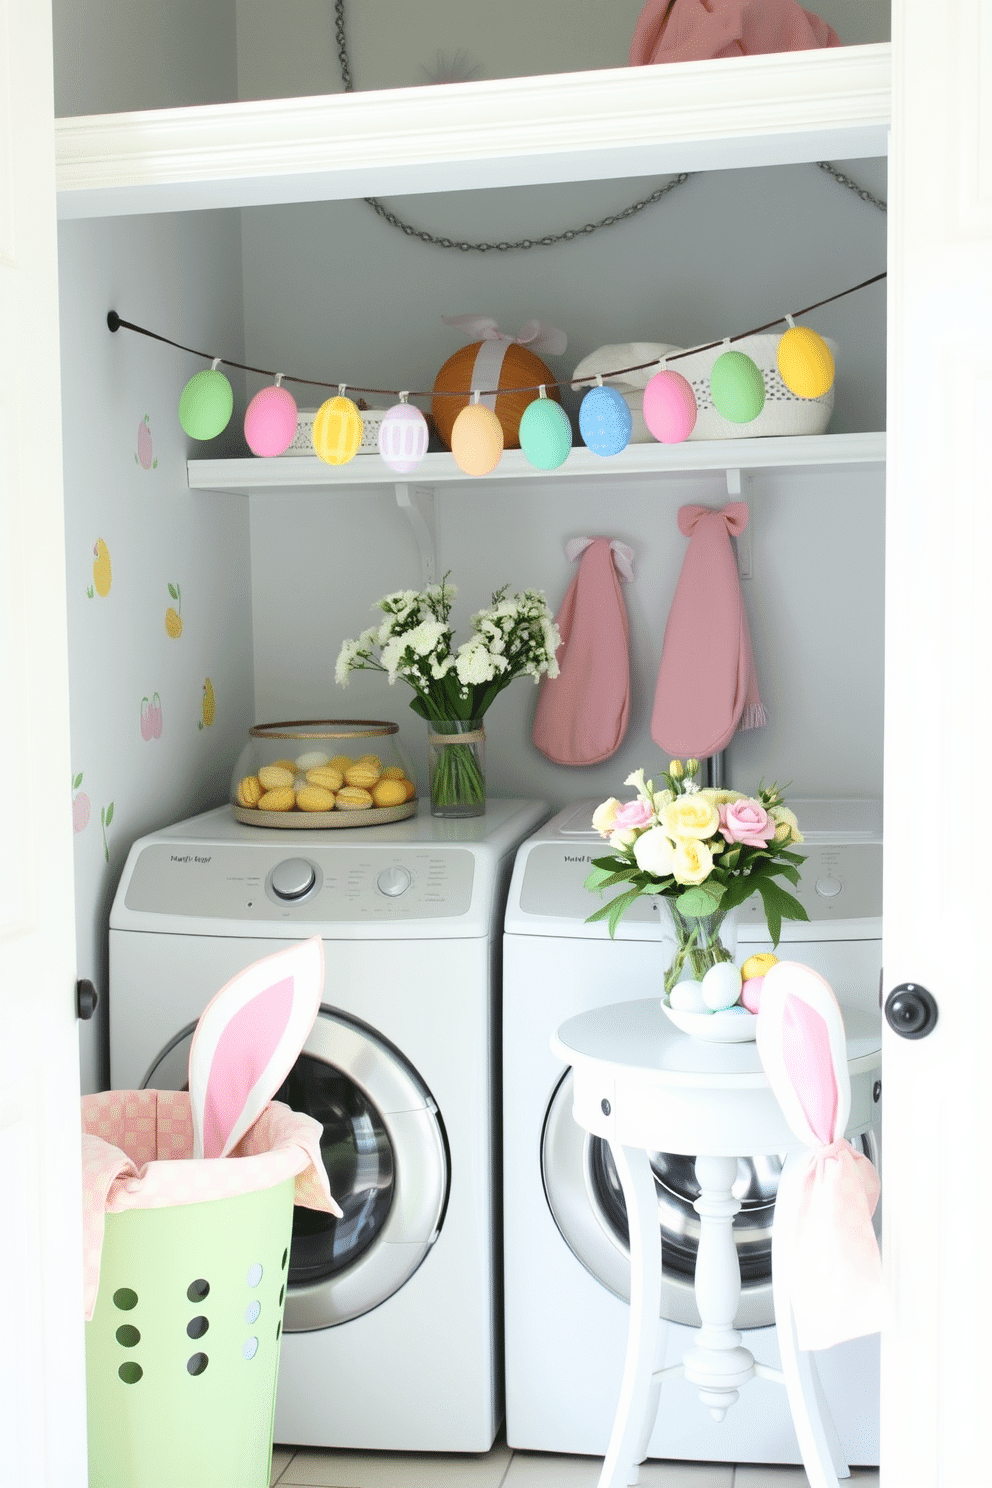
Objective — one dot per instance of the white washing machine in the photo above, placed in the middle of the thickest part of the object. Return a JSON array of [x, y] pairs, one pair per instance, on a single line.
[[566, 1260], [393, 1331]]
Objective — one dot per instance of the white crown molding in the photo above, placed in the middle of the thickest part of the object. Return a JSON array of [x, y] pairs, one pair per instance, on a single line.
[[794, 106]]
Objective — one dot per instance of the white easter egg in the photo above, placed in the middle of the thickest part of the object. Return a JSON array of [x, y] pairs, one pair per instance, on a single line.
[[686, 997], [721, 986]]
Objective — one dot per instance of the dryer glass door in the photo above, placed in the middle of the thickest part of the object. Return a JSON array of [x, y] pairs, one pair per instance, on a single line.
[[386, 1157]]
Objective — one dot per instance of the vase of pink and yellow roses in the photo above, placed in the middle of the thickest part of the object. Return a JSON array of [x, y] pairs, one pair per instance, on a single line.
[[704, 851]]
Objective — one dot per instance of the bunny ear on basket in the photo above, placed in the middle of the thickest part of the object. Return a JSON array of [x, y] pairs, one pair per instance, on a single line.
[[535, 335], [824, 1238], [247, 1040]]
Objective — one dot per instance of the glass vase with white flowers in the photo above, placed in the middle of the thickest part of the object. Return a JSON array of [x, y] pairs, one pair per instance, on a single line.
[[454, 686], [705, 851]]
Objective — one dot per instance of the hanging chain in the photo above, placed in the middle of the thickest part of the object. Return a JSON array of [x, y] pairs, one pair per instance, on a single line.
[[549, 239]]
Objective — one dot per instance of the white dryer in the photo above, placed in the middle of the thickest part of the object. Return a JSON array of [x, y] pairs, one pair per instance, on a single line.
[[566, 1259], [392, 1336]]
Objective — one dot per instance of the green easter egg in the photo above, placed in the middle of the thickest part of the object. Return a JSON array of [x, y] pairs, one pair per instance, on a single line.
[[737, 387], [206, 404], [545, 434]]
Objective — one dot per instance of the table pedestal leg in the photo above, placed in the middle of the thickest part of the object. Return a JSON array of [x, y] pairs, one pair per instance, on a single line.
[[639, 1388], [717, 1362]]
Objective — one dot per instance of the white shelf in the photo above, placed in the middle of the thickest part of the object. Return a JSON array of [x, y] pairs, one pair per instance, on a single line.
[[831, 104], [301, 472]]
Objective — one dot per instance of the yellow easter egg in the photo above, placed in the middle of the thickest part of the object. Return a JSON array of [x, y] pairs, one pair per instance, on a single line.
[[364, 775], [280, 799], [477, 440], [393, 772], [389, 793], [249, 791], [758, 964], [285, 764], [337, 431], [353, 798], [805, 363], [341, 762], [275, 777], [314, 798], [326, 776]]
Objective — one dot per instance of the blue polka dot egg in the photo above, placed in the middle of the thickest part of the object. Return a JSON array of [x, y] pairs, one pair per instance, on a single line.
[[605, 421]]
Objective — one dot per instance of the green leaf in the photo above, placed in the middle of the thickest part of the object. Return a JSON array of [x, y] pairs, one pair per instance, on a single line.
[[778, 905], [614, 909], [739, 889], [608, 880], [700, 899]]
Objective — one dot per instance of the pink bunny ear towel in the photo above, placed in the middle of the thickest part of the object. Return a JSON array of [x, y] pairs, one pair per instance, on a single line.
[[582, 713], [707, 687]]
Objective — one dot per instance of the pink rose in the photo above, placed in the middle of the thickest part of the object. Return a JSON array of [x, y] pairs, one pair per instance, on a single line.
[[634, 814], [746, 821]]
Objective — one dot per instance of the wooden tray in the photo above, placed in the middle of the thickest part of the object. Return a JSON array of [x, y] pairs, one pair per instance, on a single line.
[[302, 821]]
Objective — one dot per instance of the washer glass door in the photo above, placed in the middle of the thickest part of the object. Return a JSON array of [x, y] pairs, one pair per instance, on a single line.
[[386, 1157]]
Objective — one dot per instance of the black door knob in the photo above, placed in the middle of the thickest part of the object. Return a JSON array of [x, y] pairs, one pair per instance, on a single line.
[[87, 998], [911, 1010]]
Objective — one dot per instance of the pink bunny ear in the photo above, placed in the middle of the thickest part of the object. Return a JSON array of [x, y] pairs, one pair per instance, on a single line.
[[247, 1040], [803, 1050]]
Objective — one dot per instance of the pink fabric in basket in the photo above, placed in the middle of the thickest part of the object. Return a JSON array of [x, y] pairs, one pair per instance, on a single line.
[[582, 714], [137, 1154], [695, 30], [707, 687]]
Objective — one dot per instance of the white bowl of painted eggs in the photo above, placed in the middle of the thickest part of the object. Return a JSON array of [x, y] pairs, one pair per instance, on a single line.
[[722, 1008]]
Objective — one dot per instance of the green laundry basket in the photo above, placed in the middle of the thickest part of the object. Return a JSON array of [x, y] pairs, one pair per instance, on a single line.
[[182, 1351]]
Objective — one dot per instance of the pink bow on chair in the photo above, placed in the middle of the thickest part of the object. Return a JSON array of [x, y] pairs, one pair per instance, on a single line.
[[824, 1235]]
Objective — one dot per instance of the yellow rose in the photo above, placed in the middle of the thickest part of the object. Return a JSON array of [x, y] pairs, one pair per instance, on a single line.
[[603, 817], [786, 825], [690, 816], [692, 861], [721, 797]]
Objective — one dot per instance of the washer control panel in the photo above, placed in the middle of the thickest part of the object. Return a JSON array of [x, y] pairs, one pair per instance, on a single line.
[[339, 885]]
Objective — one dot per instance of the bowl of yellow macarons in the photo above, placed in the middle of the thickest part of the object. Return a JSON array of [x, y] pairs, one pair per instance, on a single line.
[[324, 772]]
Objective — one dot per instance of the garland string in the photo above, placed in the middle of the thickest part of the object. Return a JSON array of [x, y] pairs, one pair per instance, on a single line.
[[116, 322]]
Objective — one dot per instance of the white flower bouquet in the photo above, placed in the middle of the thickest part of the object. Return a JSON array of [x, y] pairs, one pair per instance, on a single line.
[[454, 686], [705, 851]]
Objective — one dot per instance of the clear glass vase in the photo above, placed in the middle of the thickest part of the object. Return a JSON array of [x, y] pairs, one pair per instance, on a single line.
[[700, 943], [456, 758]]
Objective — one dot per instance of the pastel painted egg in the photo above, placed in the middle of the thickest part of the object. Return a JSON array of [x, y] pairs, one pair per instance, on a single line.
[[604, 421], [751, 993], [403, 438], [737, 387], [758, 964], [270, 421], [477, 440], [337, 431], [206, 404], [721, 986], [805, 362], [545, 434], [669, 407], [686, 997]]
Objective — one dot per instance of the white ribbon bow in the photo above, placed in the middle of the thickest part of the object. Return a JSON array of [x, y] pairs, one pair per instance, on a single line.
[[535, 335]]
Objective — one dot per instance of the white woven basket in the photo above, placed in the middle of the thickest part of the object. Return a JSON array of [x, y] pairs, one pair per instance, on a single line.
[[303, 440], [783, 412]]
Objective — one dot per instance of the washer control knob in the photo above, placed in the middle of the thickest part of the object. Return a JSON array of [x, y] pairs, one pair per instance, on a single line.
[[394, 881], [293, 878], [828, 887]]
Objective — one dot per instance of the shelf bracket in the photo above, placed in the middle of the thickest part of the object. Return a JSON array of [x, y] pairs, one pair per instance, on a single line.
[[742, 543], [418, 505], [733, 480]]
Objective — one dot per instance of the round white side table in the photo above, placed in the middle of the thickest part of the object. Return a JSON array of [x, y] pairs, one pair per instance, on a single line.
[[645, 1087]]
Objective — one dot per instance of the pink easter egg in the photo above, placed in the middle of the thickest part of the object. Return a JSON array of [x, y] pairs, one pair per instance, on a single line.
[[403, 436], [270, 421], [669, 407], [751, 993]]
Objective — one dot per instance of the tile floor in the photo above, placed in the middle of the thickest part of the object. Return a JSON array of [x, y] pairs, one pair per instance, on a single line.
[[308, 1467]]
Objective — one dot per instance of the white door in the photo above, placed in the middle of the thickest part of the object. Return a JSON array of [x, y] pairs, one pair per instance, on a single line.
[[938, 1094], [42, 1396]]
